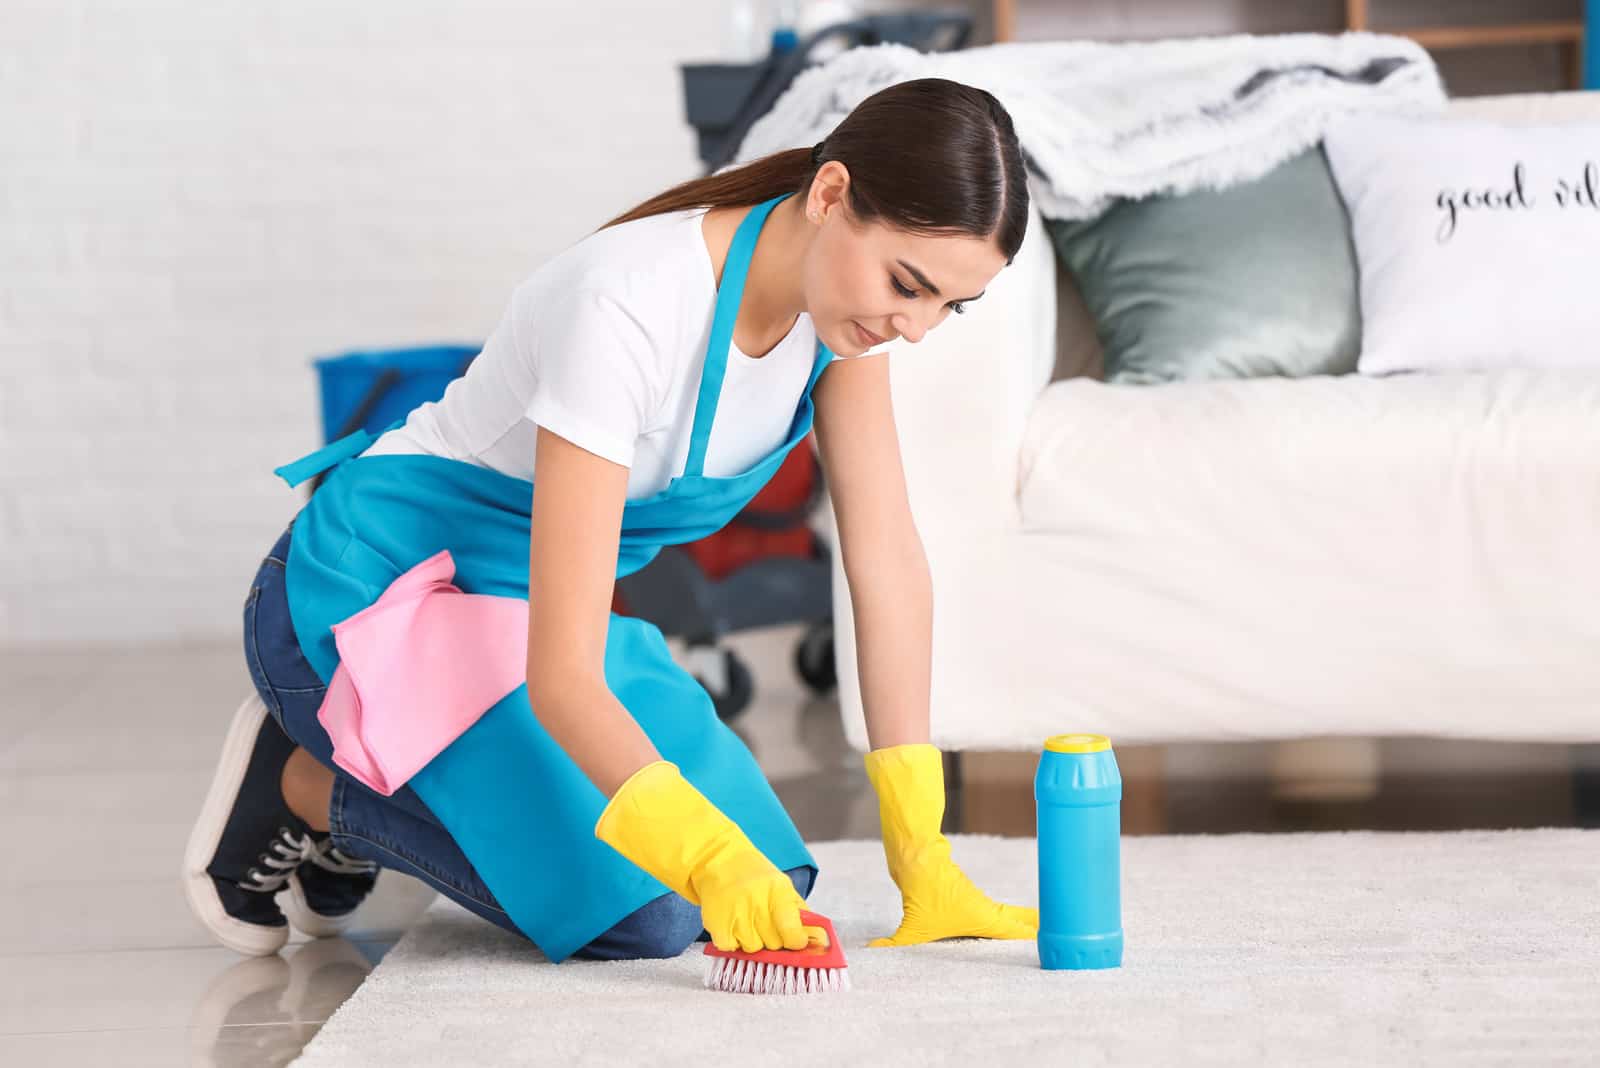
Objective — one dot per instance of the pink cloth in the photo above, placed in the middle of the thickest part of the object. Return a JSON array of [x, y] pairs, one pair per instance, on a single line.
[[416, 669]]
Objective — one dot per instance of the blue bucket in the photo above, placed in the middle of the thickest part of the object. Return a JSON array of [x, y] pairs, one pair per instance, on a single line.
[[388, 383]]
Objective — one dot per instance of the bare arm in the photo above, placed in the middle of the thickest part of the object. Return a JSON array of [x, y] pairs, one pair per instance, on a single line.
[[577, 522], [891, 589]]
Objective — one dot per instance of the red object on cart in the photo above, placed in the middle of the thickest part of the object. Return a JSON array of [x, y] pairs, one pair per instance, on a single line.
[[765, 567], [784, 504], [774, 523]]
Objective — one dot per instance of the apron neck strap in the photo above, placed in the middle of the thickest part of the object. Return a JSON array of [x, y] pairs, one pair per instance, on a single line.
[[729, 293]]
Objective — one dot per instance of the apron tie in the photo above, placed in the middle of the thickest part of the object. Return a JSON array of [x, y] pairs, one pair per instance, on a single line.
[[325, 458]]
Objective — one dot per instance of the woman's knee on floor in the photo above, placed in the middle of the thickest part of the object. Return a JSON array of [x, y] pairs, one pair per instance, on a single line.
[[664, 927], [803, 877]]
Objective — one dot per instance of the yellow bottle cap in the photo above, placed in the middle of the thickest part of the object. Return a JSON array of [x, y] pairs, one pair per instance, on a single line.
[[1077, 743]]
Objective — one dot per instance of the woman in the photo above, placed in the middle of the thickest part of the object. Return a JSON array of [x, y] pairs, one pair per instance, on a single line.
[[641, 388]]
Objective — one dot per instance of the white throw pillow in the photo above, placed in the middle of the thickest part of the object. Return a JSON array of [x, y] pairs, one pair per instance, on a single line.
[[1478, 243]]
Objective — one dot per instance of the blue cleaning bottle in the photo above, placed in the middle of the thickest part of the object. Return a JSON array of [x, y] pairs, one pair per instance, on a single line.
[[785, 38], [1077, 792]]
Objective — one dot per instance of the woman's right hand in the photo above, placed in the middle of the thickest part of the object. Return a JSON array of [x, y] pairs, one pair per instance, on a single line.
[[655, 818], [658, 820]]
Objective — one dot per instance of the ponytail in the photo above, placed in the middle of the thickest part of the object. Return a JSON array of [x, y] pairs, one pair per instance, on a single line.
[[928, 156], [759, 180]]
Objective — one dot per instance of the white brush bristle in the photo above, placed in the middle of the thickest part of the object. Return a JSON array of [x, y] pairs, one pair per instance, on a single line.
[[757, 977]]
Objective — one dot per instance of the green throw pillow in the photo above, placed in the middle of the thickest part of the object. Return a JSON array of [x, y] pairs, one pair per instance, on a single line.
[[1257, 279]]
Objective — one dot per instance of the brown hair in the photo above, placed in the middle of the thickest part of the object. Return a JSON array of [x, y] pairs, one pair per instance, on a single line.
[[928, 156]]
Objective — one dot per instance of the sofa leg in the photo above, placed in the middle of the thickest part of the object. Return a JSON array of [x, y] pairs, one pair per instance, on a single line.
[[991, 792], [1325, 769], [1144, 789], [1586, 785]]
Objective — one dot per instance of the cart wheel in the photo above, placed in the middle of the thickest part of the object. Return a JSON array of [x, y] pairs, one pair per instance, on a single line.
[[813, 658], [729, 683]]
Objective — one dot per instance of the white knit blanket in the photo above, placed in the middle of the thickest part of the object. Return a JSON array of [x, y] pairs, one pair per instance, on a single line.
[[1100, 121]]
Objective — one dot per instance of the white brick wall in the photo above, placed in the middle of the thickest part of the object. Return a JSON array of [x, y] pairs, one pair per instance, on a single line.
[[198, 198]]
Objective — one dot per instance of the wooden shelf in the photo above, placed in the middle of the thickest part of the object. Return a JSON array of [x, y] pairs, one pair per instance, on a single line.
[[1003, 13], [1437, 38], [1357, 17], [1443, 37]]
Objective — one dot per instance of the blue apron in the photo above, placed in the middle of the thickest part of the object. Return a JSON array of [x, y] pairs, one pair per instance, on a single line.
[[520, 809]]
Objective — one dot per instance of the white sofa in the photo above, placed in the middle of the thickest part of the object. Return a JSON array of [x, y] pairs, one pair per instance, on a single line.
[[1261, 559]]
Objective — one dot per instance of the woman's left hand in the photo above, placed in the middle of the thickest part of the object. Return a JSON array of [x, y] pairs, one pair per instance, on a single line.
[[938, 899]]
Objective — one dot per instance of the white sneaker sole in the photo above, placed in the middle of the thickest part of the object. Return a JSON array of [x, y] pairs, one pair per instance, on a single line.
[[303, 919], [251, 939]]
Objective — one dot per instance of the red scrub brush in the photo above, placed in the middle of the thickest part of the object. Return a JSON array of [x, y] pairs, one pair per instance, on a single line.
[[819, 968]]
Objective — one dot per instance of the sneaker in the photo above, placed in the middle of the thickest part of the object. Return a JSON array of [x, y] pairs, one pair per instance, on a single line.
[[246, 843], [326, 888]]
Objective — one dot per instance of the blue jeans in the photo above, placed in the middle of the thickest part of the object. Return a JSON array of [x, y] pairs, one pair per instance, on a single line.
[[400, 832]]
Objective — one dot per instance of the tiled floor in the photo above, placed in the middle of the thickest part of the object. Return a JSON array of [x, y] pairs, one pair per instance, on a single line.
[[104, 756]]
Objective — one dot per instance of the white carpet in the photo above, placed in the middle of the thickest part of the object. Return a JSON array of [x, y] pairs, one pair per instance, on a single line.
[[1302, 949]]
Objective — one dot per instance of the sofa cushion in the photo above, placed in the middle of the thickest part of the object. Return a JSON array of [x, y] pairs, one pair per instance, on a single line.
[[1275, 557], [1256, 279], [1336, 463]]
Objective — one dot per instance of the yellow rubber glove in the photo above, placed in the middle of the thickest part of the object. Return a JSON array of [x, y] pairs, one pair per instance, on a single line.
[[658, 820], [939, 900]]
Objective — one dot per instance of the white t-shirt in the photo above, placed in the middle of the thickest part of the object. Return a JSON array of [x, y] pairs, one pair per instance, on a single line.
[[604, 346]]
